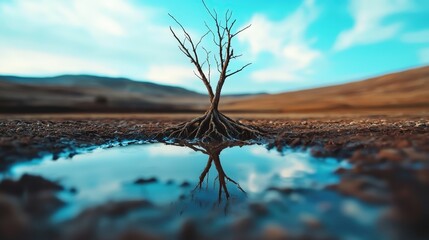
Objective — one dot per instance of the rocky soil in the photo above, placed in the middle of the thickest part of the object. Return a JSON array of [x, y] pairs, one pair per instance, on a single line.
[[389, 156]]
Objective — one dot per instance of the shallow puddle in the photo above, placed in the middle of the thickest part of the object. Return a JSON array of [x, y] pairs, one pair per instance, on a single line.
[[226, 184]]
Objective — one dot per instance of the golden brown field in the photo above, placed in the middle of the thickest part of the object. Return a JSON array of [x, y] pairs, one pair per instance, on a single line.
[[397, 92]]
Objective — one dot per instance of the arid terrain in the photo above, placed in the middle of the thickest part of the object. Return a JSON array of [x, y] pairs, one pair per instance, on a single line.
[[380, 126], [389, 156], [406, 91], [403, 91], [214, 120], [84, 93]]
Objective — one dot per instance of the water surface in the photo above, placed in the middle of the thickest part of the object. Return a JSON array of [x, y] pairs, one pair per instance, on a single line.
[[287, 188]]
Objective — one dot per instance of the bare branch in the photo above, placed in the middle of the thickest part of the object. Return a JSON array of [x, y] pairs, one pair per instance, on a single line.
[[217, 65], [220, 33], [213, 126], [215, 13], [182, 47], [194, 48], [208, 63], [228, 16], [183, 29], [238, 185], [211, 31], [201, 39], [232, 24], [241, 30], [194, 57], [237, 71], [222, 36], [194, 147], [208, 10], [184, 52], [197, 75]]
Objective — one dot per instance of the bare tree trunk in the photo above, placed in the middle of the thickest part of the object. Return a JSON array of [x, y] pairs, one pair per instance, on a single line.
[[213, 126]]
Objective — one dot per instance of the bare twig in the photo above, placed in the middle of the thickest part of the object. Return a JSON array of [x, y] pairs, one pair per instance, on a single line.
[[193, 57], [241, 30], [239, 70]]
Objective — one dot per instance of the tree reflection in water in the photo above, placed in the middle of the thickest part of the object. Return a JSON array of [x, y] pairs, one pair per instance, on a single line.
[[213, 151]]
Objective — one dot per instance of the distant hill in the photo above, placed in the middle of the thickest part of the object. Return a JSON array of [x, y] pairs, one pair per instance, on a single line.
[[83, 93], [92, 93], [96, 82], [402, 90]]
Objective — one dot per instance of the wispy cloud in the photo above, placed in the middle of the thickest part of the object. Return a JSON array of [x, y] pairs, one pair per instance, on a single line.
[[286, 43], [171, 74], [95, 17], [421, 36], [115, 37], [424, 55], [168, 150], [369, 22], [30, 62], [131, 38]]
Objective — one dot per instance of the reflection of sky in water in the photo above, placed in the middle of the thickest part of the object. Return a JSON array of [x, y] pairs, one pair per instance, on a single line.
[[108, 174]]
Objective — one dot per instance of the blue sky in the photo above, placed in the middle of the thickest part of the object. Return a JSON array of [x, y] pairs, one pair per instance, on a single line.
[[291, 44]]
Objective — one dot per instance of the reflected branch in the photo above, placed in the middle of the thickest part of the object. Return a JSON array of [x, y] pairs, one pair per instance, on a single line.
[[213, 151]]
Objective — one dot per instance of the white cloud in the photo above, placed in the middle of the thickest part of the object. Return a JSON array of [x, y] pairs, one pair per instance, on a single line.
[[170, 74], [97, 17], [115, 37], [29, 62], [424, 55], [168, 150], [285, 41], [370, 27], [421, 36], [275, 74]]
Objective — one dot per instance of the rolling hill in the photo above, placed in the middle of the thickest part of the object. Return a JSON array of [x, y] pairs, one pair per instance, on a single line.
[[93, 94], [407, 90]]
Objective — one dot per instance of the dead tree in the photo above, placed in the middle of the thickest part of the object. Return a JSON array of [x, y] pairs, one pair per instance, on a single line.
[[213, 152], [213, 125]]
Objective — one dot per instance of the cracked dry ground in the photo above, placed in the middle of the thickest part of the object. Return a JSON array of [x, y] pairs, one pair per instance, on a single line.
[[389, 155]]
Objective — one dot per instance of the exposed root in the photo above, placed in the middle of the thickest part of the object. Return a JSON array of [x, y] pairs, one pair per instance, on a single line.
[[213, 126]]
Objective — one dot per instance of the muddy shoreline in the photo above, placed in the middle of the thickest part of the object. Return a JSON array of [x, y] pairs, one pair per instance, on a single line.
[[390, 155], [338, 137]]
